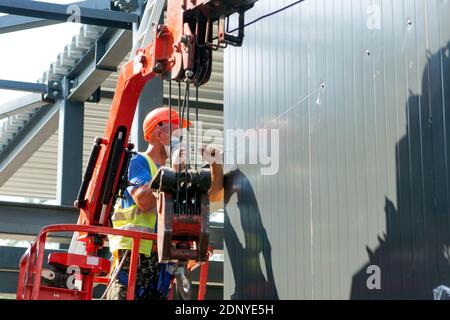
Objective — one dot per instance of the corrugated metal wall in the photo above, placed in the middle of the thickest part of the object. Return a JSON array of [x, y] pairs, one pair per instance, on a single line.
[[359, 90]]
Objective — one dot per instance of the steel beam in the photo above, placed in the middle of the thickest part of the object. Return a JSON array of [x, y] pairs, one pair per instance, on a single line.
[[99, 63], [28, 140], [23, 104], [102, 60], [216, 235], [28, 219], [10, 257], [8, 282], [69, 13], [12, 23], [153, 92], [152, 15], [151, 98], [23, 86], [70, 151]]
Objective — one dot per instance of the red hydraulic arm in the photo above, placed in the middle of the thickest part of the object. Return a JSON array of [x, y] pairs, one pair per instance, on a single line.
[[99, 197], [182, 51]]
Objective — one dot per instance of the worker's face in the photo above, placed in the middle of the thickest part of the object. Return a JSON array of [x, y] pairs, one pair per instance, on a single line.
[[162, 139], [163, 133]]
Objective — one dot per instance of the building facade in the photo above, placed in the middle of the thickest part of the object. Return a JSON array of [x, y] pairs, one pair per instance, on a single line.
[[358, 93]]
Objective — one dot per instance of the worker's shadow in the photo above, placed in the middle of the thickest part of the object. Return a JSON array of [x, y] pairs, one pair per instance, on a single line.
[[246, 258], [413, 254]]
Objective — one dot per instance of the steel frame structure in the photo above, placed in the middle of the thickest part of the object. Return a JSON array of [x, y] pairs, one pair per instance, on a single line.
[[69, 13], [12, 23], [80, 84]]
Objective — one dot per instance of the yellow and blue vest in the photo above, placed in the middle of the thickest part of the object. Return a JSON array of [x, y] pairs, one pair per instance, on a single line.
[[127, 215]]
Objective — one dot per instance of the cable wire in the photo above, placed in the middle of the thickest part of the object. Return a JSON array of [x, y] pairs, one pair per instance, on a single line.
[[188, 130], [180, 115], [196, 126], [170, 122], [267, 15], [114, 275], [186, 154]]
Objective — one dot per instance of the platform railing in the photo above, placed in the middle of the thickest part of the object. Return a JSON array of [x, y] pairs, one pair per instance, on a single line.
[[32, 262]]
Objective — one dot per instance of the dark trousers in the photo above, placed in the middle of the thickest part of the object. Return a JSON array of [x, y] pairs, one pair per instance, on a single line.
[[146, 278]]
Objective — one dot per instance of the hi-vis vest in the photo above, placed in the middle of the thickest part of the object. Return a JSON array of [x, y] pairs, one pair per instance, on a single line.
[[133, 218]]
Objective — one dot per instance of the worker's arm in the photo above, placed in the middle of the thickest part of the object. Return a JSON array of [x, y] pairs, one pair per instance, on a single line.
[[144, 197], [216, 191], [214, 157], [139, 176]]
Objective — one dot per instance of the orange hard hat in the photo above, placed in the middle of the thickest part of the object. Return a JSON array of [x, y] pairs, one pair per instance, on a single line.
[[155, 117]]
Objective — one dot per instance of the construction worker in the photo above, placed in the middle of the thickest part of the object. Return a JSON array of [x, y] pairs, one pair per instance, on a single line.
[[137, 211]]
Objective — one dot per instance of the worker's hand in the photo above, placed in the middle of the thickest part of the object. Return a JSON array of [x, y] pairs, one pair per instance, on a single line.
[[211, 154], [179, 159]]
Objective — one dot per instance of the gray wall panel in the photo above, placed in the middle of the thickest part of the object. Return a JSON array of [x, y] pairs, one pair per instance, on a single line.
[[363, 177]]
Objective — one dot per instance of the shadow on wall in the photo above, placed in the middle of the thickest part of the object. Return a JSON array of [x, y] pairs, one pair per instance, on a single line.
[[245, 258], [413, 255]]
